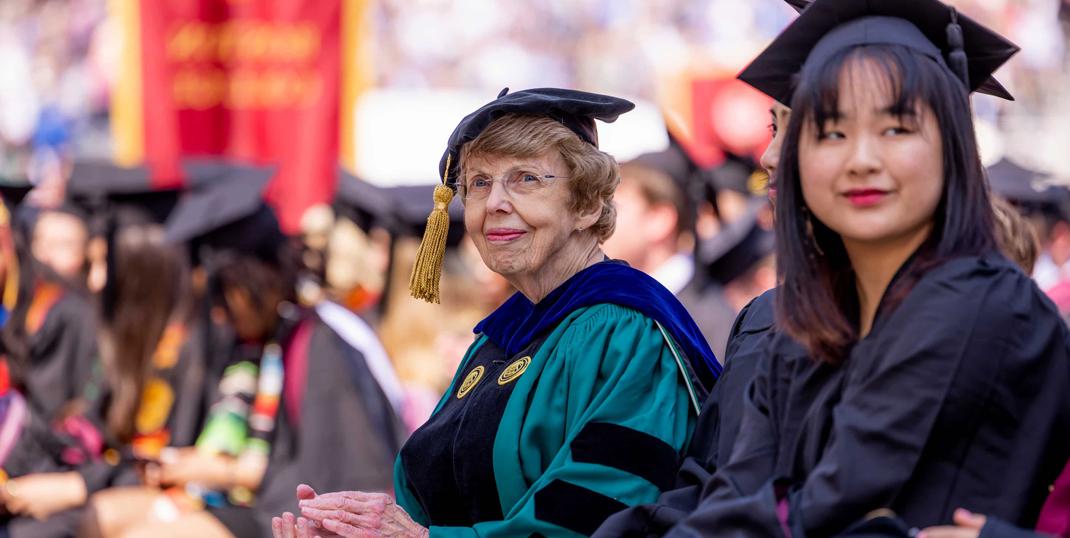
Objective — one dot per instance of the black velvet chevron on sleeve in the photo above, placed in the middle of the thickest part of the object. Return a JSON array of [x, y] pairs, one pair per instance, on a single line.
[[629, 450], [573, 507]]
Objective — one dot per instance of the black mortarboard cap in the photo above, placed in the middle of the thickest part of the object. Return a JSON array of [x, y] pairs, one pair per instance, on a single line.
[[740, 174], [228, 213], [364, 203], [103, 177], [737, 247], [412, 203], [929, 27], [575, 109], [674, 162], [204, 171], [401, 210], [1028, 188], [14, 192], [101, 188]]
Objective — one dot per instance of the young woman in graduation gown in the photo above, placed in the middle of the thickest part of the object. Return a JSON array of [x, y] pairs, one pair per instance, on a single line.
[[580, 392], [917, 368], [49, 331], [287, 386]]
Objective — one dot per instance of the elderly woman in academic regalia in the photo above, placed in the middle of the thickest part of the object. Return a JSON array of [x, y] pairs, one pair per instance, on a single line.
[[581, 391]]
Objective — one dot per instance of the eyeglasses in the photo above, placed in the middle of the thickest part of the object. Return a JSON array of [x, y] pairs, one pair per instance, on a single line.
[[518, 184]]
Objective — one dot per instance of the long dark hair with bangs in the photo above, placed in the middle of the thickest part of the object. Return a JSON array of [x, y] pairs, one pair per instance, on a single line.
[[817, 302]]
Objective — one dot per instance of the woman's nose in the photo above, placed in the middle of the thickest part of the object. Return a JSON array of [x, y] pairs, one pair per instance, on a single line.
[[863, 159], [498, 200]]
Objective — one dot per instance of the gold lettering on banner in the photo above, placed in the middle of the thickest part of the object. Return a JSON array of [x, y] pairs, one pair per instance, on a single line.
[[245, 65], [243, 41], [202, 88]]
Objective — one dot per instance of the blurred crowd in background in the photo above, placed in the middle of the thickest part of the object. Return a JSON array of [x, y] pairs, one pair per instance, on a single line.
[[704, 230], [59, 61]]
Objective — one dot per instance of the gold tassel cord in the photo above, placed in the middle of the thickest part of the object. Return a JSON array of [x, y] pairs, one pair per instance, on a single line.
[[11, 282], [427, 271]]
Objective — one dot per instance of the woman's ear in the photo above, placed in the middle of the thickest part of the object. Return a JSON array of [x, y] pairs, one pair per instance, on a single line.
[[588, 217]]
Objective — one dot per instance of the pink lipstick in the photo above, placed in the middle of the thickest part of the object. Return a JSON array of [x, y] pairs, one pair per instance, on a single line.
[[503, 235]]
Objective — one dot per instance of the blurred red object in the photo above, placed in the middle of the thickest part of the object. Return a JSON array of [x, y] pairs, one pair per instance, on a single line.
[[714, 115]]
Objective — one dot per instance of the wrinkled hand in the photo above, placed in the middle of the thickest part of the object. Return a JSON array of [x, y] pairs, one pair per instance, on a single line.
[[41, 495], [355, 514], [967, 525]]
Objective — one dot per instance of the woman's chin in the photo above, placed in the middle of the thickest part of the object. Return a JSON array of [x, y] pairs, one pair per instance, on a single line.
[[506, 265]]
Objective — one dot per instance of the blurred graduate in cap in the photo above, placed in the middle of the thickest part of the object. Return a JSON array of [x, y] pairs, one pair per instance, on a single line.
[[59, 241], [1047, 206], [147, 379], [294, 402], [907, 343], [580, 392], [740, 256], [365, 243], [655, 233], [49, 329], [355, 257]]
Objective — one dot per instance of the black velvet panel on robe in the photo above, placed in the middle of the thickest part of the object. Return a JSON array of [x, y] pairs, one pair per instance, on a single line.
[[956, 398], [449, 461]]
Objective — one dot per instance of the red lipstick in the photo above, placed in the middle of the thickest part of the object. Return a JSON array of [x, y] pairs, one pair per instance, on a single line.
[[865, 197]]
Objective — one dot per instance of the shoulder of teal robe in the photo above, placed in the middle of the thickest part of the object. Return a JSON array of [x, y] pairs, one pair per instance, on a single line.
[[596, 423]]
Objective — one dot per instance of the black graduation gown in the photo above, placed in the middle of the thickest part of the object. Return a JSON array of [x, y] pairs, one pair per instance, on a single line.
[[60, 363], [347, 438], [716, 430], [187, 379], [957, 398], [62, 351], [705, 301], [997, 528]]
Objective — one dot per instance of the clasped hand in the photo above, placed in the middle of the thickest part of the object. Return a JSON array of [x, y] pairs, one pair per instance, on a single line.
[[349, 514]]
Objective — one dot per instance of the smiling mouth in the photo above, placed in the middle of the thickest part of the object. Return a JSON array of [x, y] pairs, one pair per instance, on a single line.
[[504, 236], [865, 197]]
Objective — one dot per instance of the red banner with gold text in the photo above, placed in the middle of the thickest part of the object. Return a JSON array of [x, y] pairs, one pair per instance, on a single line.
[[247, 80]]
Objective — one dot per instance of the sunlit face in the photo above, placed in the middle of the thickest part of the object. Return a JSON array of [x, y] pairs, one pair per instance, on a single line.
[[771, 156], [872, 176], [59, 242], [519, 235]]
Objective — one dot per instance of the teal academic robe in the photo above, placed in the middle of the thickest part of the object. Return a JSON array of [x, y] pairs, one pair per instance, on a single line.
[[585, 421]]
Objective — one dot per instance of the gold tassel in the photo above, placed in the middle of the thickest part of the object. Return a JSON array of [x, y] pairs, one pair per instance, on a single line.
[[11, 283], [427, 271]]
